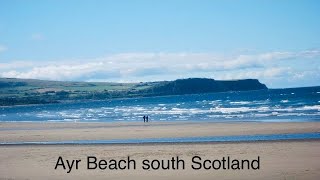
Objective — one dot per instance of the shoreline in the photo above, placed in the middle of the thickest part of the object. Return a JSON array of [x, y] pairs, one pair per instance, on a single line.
[[68, 124], [26, 132], [164, 143]]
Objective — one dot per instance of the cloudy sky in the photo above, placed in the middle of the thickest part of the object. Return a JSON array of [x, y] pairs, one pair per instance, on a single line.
[[276, 41]]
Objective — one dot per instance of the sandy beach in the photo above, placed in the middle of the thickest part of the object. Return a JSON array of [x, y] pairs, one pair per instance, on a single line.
[[279, 159], [19, 132]]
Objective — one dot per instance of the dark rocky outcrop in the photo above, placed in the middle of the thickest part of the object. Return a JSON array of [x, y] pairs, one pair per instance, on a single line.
[[204, 85]]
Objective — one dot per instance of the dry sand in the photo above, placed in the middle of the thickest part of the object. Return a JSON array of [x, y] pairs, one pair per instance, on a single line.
[[281, 160]]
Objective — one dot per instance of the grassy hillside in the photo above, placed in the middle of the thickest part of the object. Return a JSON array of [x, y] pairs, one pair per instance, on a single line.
[[30, 91]]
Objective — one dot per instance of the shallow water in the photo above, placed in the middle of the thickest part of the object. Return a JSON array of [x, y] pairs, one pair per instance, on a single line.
[[277, 105], [238, 138]]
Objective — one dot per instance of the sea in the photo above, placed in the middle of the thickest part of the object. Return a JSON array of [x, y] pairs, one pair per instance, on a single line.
[[272, 105]]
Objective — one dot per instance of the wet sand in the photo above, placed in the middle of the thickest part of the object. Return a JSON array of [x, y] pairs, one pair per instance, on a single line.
[[19, 132]]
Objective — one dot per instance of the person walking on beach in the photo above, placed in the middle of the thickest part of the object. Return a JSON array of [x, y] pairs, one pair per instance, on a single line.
[[147, 118], [144, 119]]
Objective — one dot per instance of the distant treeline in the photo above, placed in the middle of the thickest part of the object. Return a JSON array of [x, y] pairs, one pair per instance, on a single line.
[[21, 91]]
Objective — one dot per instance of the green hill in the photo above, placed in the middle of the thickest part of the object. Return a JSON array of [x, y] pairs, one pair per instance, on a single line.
[[31, 91]]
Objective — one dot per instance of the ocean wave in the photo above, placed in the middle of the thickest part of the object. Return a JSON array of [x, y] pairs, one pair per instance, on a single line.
[[288, 109], [230, 110], [271, 104], [72, 116], [315, 107], [293, 114], [42, 115], [59, 120], [261, 115], [263, 109], [71, 120], [240, 102], [261, 102]]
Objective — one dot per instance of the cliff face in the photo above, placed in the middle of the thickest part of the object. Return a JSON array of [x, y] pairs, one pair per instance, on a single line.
[[203, 85]]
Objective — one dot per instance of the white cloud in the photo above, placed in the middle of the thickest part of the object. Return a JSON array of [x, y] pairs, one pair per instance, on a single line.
[[259, 73], [136, 67]]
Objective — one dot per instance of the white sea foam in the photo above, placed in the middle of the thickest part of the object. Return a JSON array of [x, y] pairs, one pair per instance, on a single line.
[[284, 101], [262, 102], [263, 109], [288, 109], [71, 120], [126, 114], [103, 114], [224, 116], [107, 112], [138, 113], [177, 111], [315, 107], [73, 116], [156, 108], [292, 114], [107, 108], [45, 115], [240, 102], [92, 110], [216, 102], [57, 120], [261, 115], [230, 110]]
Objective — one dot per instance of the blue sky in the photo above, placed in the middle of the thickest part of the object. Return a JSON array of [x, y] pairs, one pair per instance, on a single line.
[[276, 41]]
